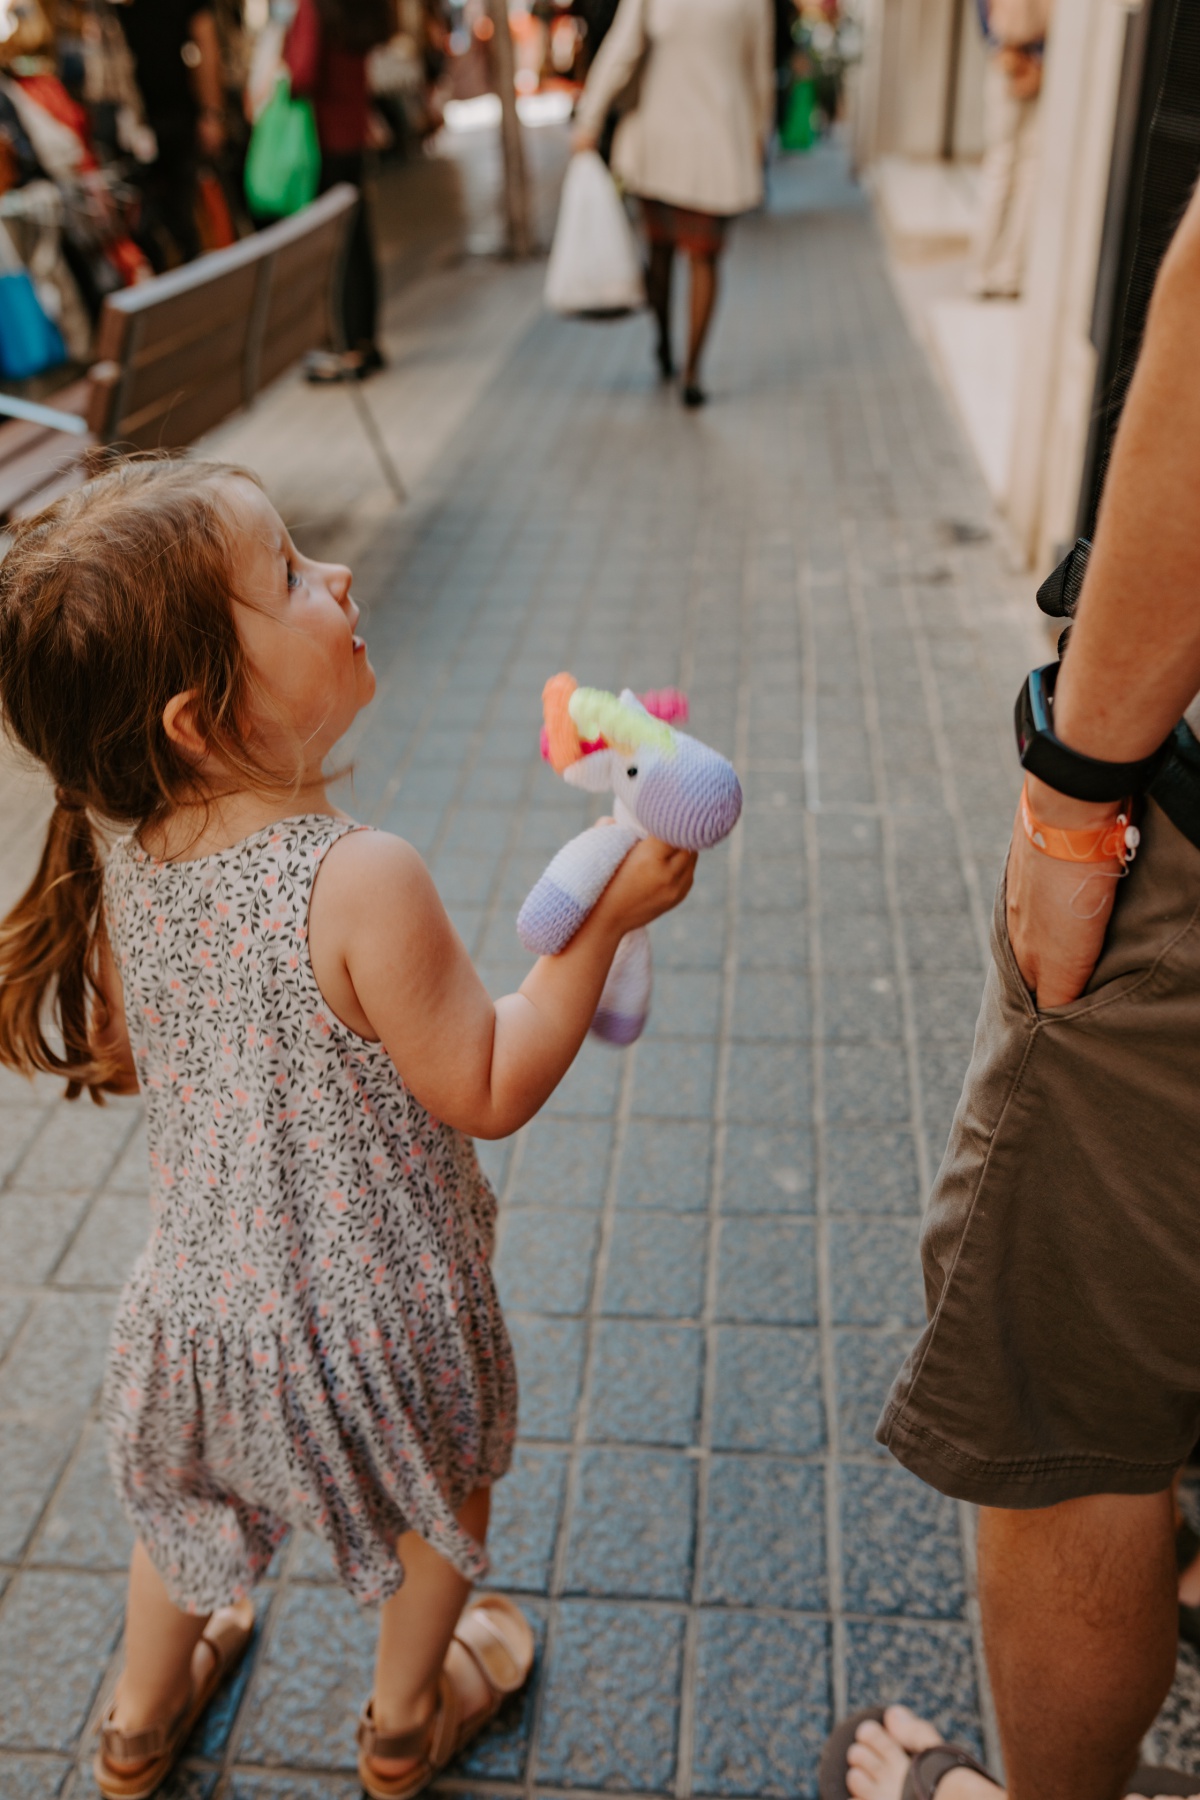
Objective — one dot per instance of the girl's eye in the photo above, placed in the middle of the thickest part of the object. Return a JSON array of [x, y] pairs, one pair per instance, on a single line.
[[293, 578]]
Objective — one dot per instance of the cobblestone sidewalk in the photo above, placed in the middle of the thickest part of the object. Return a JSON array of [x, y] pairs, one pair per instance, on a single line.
[[707, 1243]]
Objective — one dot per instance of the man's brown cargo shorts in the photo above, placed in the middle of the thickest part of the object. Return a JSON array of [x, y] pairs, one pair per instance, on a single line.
[[1061, 1245]]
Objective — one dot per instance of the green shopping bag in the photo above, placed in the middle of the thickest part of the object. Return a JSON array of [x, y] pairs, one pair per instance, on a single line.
[[796, 132], [283, 161]]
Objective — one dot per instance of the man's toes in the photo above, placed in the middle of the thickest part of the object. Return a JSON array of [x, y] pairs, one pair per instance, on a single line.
[[910, 1733]]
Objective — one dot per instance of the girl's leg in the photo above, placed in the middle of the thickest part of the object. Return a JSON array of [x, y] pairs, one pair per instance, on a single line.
[[658, 293], [160, 1642], [415, 1629], [703, 300]]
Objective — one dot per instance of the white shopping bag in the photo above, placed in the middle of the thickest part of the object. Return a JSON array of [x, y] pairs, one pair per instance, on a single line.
[[594, 266]]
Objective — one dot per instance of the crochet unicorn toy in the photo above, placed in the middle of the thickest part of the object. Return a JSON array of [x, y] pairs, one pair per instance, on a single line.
[[666, 785]]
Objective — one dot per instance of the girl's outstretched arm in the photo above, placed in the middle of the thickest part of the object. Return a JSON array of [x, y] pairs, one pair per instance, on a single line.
[[392, 966]]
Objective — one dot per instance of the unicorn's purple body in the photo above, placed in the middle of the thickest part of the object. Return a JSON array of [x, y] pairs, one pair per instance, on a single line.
[[665, 785]]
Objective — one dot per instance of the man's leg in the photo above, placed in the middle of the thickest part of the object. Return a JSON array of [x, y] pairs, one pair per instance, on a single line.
[[1079, 1626]]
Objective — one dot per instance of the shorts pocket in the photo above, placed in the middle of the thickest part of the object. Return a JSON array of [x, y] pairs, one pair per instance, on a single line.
[[1107, 983]]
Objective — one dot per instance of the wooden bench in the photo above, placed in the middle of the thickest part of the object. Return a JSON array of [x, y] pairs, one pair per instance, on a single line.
[[182, 353]]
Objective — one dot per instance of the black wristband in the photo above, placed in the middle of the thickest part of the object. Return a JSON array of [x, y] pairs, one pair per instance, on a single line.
[[1068, 771]]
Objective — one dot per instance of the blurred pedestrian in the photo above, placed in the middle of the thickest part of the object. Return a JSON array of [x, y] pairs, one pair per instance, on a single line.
[[326, 52], [691, 145], [177, 63], [1016, 34]]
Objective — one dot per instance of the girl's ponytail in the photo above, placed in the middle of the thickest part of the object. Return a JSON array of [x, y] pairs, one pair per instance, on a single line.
[[50, 1001]]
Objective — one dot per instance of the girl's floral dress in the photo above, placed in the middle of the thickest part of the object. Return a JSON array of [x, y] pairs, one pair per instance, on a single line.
[[311, 1337]]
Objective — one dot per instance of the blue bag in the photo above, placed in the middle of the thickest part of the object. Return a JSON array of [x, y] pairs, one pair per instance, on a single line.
[[29, 341]]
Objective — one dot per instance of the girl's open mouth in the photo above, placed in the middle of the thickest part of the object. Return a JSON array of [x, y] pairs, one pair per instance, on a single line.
[[358, 643]]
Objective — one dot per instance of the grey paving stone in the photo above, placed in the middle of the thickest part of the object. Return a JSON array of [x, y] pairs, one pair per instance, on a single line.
[[766, 1271], [901, 1547], [494, 1155], [767, 1171], [545, 1258], [774, 884], [656, 1265], [589, 1088], [764, 1534], [769, 1084], [85, 1527], [18, 1126], [767, 1390], [772, 829], [526, 1508], [763, 1704], [772, 1004], [674, 1080], [876, 1273], [56, 1634], [34, 1777], [611, 1711], [75, 1148], [872, 1171], [108, 1243], [772, 940], [852, 884], [33, 1452], [946, 1004], [14, 1310], [689, 939], [666, 1165], [564, 1162], [861, 941], [247, 1785], [549, 1353], [633, 1528], [866, 1084], [927, 1666], [943, 1072], [867, 1364], [847, 835], [940, 940], [131, 1172], [686, 1003], [58, 1360], [309, 1560], [35, 1229], [309, 1684], [645, 1383], [861, 1007]]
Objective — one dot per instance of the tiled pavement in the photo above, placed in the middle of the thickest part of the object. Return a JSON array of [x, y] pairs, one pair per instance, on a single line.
[[707, 1243]]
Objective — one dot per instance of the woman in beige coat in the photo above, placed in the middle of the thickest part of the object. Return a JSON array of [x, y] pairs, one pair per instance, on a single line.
[[692, 146]]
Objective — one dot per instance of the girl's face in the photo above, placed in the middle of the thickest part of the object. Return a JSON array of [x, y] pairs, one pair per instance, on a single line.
[[297, 630]]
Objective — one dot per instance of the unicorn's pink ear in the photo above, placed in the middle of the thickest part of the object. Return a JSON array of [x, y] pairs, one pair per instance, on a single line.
[[668, 704]]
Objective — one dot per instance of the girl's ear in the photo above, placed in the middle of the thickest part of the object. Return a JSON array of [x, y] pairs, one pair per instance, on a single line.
[[179, 723]]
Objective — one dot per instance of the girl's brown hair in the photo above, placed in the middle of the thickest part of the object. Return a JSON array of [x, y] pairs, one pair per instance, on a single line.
[[113, 600]]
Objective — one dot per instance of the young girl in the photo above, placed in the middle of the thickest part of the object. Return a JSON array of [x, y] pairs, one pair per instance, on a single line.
[[311, 1337]]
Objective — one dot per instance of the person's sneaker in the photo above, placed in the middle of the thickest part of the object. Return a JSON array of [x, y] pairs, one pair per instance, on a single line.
[[694, 395]]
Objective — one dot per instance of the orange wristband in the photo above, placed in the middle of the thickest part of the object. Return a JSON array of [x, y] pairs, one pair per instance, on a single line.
[[1095, 844]]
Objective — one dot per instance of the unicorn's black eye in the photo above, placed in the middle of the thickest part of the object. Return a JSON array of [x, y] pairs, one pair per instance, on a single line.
[[632, 772]]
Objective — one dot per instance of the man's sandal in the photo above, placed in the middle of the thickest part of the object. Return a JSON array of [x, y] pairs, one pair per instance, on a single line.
[[157, 1750], [928, 1767], [497, 1637]]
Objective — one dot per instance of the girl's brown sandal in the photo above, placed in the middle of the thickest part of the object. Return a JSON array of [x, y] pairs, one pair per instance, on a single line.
[[497, 1636], [157, 1750]]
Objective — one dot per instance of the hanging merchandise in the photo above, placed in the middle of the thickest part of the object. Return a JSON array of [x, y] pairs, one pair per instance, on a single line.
[[796, 132], [29, 342], [594, 270], [283, 162]]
